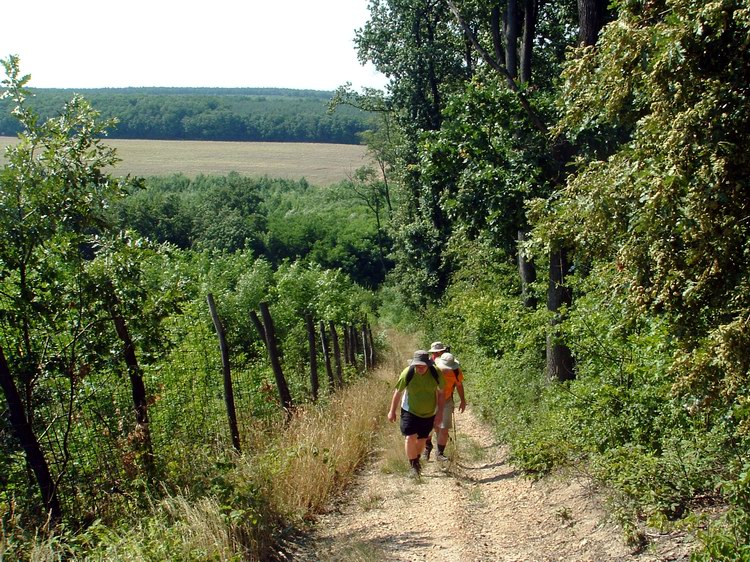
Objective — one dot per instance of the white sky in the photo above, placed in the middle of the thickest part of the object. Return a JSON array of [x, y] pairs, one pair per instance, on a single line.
[[303, 44]]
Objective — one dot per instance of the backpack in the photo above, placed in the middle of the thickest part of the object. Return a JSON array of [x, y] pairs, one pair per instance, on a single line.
[[431, 367]]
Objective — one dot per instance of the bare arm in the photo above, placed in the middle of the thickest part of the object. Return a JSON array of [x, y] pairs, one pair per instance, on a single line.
[[440, 406], [460, 389], [395, 400]]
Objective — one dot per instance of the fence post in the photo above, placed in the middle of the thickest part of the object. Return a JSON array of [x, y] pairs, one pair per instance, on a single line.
[[228, 391], [29, 443], [313, 356], [372, 345], [336, 353], [365, 347], [326, 355], [137, 387], [273, 356]]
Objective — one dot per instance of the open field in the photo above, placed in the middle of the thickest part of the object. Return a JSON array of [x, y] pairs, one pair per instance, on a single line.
[[320, 164]]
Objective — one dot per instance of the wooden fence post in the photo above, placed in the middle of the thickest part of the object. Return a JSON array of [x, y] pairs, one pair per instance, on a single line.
[[336, 353], [313, 356], [326, 355], [29, 443], [228, 391], [273, 356], [365, 347], [354, 343], [372, 345], [137, 387]]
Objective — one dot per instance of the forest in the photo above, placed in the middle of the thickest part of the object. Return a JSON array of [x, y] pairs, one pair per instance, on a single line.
[[220, 114], [567, 182]]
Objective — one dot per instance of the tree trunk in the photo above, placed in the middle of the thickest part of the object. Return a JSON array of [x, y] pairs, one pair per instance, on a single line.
[[273, 356], [512, 26], [530, 12], [29, 443], [138, 388], [527, 272], [560, 364], [497, 35], [591, 15], [313, 356], [228, 390]]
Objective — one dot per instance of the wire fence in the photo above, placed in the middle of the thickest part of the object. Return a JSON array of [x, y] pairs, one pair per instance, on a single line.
[[87, 425]]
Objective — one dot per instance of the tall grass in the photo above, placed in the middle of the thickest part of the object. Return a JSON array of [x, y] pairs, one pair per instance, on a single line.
[[317, 454], [233, 508]]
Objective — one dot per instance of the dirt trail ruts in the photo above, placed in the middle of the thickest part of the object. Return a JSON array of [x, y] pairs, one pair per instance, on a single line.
[[476, 508]]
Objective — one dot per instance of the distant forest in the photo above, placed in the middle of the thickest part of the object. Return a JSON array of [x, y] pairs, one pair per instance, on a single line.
[[218, 114]]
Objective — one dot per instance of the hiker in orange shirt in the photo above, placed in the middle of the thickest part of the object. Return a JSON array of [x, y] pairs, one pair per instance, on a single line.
[[454, 377]]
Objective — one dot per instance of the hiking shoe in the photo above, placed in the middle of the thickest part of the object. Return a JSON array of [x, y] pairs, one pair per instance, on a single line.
[[426, 454], [442, 458], [415, 473]]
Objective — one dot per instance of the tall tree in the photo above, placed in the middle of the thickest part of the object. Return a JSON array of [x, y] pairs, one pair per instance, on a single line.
[[458, 164], [413, 43], [667, 209]]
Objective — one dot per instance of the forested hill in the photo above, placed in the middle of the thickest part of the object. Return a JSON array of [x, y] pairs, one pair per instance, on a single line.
[[231, 114]]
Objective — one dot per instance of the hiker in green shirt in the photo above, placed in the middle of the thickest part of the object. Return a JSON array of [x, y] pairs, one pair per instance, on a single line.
[[419, 390]]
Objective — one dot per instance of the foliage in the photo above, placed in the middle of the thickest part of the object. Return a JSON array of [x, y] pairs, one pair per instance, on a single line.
[[413, 43], [87, 308], [657, 213], [53, 204], [223, 114], [729, 538], [485, 161], [225, 507], [280, 220]]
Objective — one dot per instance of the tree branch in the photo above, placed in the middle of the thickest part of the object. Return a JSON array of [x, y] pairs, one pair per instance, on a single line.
[[536, 120]]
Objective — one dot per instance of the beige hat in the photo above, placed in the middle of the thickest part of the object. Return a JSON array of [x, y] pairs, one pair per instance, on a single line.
[[447, 361], [437, 346]]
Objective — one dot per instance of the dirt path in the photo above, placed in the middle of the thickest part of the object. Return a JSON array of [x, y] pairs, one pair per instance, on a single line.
[[476, 508]]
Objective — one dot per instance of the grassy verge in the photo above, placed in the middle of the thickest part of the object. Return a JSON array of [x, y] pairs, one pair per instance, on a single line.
[[234, 509]]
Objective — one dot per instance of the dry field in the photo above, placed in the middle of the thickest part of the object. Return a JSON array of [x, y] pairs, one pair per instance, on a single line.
[[320, 164]]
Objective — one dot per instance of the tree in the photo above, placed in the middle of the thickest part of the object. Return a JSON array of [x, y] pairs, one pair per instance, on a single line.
[[413, 43], [667, 210], [54, 194], [374, 194]]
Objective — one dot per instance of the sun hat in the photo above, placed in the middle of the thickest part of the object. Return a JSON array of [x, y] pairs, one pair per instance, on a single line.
[[447, 361], [421, 357], [437, 346]]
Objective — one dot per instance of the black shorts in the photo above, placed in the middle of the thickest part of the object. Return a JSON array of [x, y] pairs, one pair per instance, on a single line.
[[411, 424]]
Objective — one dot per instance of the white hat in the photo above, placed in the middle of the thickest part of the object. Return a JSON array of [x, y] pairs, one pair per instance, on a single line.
[[447, 361]]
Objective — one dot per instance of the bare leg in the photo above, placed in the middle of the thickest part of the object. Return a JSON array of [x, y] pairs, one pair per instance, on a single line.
[[413, 446], [443, 436]]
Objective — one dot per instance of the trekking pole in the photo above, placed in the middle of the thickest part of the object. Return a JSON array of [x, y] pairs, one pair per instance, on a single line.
[[454, 456]]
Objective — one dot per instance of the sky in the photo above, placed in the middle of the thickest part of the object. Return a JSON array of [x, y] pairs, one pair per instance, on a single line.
[[301, 44]]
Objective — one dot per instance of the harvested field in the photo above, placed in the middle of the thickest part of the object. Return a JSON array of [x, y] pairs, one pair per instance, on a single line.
[[320, 164]]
